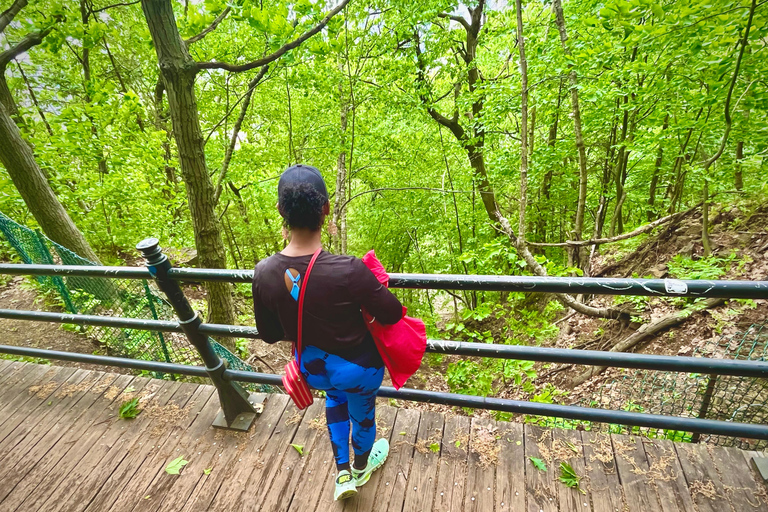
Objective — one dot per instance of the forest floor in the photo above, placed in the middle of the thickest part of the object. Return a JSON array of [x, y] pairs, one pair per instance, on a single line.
[[16, 294]]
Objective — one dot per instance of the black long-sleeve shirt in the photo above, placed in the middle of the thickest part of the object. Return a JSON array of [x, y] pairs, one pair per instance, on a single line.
[[337, 288]]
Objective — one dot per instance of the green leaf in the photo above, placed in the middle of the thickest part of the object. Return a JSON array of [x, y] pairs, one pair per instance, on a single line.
[[175, 465], [207, 471], [130, 409], [403, 433], [569, 477], [435, 447], [457, 444], [538, 463], [299, 448]]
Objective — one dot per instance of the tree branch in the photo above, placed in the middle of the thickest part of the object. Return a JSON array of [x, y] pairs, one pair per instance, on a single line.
[[30, 40], [383, 189], [457, 19], [536, 268], [7, 16], [280, 52], [600, 241], [235, 132], [210, 28], [122, 4]]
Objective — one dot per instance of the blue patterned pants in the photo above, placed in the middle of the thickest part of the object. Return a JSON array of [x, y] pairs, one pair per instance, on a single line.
[[350, 391]]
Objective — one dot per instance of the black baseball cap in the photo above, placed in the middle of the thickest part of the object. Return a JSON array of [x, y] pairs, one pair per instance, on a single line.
[[302, 174]]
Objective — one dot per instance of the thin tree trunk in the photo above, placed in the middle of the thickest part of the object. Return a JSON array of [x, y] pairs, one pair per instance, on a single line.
[[339, 212], [656, 170], [574, 257], [521, 232], [728, 124], [33, 97], [178, 71], [738, 178]]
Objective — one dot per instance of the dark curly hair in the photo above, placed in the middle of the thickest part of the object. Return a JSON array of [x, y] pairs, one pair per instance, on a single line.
[[301, 205]]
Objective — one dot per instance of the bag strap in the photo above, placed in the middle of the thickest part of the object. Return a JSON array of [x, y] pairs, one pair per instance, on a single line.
[[301, 303]]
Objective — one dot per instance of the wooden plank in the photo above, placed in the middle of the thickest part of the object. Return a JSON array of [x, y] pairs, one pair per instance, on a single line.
[[667, 475], [205, 450], [703, 481], [105, 452], [602, 477], [278, 497], [48, 425], [317, 467], [320, 471], [567, 447], [61, 476], [540, 487], [17, 418], [632, 465], [738, 481], [452, 472], [149, 484], [271, 459], [4, 365], [235, 453], [121, 484], [16, 396], [510, 472], [420, 492], [58, 458], [12, 372], [386, 489], [481, 466]]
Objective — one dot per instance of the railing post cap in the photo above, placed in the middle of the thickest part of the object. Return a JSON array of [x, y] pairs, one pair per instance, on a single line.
[[147, 244]]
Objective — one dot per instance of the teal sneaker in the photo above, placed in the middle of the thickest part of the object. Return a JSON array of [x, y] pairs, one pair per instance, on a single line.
[[379, 453], [345, 486]]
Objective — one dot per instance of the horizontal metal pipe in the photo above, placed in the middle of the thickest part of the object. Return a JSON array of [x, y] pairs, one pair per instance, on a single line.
[[516, 352], [14, 269], [572, 285], [121, 362], [497, 404]]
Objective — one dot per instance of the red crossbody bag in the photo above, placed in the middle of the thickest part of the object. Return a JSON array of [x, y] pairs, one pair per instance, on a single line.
[[293, 381]]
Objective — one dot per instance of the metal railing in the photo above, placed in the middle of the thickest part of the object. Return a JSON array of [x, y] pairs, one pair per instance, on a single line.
[[238, 413]]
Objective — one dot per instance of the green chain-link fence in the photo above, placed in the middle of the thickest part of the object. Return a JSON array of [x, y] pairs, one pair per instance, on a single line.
[[693, 395], [113, 297]]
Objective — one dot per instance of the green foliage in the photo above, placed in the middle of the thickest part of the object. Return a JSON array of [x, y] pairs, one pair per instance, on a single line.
[[569, 477], [299, 448], [538, 463], [713, 267], [175, 466], [129, 409]]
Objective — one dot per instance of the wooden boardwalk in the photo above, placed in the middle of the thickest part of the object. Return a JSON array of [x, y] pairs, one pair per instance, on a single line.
[[62, 447]]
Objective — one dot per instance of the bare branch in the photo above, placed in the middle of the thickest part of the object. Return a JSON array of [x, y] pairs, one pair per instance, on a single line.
[[457, 19], [30, 40], [235, 132], [210, 28], [600, 241], [11, 13], [122, 4], [280, 52], [395, 189]]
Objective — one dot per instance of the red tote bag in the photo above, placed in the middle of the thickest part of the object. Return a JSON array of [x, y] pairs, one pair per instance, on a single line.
[[293, 381]]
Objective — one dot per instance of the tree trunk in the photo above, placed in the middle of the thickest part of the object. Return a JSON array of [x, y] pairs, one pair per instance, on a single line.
[[656, 170], [178, 71], [523, 123], [574, 255], [17, 158], [738, 178], [339, 212]]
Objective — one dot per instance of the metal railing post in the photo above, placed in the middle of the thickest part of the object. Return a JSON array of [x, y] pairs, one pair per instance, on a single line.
[[237, 411]]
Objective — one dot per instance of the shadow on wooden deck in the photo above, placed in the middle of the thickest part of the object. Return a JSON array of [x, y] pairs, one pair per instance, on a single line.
[[62, 447]]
